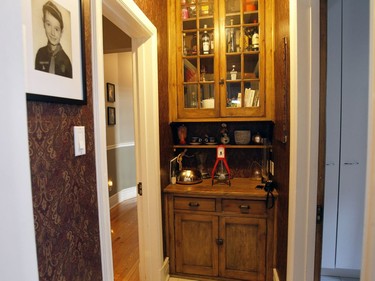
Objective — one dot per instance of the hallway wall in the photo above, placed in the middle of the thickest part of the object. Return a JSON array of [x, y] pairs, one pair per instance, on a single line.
[[64, 186], [120, 137]]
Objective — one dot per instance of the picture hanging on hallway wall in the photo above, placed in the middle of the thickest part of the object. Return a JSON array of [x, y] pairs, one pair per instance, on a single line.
[[55, 53], [111, 115], [111, 92]]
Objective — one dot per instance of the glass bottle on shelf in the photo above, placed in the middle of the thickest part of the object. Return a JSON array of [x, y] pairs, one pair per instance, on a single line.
[[231, 39], [205, 41], [231, 42], [194, 44], [233, 73], [192, 9], [255, 39]]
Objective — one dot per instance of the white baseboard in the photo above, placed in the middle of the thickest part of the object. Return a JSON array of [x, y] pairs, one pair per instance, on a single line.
[[275, 275], [125, 194]]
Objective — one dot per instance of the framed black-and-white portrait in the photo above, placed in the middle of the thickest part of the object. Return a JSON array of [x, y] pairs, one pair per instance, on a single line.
[[55, 52], [111, 115], [111, 92]]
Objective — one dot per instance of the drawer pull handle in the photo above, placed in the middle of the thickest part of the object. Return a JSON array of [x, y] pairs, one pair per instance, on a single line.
[[244, 208], [193, 204]]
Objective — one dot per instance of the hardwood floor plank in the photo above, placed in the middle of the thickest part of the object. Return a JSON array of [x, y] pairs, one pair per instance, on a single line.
[[125, 247]]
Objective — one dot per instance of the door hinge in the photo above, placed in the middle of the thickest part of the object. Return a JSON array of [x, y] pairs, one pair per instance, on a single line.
[[140, 189], [319, 214]]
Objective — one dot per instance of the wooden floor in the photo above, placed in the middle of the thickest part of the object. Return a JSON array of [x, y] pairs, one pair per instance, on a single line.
[[125, 249]]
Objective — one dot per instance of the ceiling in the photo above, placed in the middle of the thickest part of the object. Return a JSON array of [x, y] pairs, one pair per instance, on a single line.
[[114, 39]]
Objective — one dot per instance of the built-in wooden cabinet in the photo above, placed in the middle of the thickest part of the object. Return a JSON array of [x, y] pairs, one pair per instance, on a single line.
[[220, 60], [220, 231]]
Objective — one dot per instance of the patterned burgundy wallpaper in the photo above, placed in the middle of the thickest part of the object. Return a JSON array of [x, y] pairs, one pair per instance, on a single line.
[[64, 187]]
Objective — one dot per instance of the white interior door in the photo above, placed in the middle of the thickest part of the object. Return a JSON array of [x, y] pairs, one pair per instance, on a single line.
[[347, 100], [355, 67]]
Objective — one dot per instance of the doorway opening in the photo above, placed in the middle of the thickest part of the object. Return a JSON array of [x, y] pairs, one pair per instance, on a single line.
[[131, 20], [121, 151]]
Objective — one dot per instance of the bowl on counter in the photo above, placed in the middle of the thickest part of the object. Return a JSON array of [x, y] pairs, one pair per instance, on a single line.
[[191, 176], [242, 137]]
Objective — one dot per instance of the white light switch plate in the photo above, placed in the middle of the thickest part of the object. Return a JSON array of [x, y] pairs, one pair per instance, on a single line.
[[79, 140]]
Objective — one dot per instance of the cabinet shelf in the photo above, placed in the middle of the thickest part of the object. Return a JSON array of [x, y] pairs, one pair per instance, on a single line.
[[229, 146]]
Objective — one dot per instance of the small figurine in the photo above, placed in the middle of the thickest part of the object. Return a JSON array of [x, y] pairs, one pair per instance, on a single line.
[[182, 133], [224, 138]]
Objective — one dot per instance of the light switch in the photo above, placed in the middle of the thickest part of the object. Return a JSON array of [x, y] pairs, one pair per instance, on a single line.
[[79, 140]]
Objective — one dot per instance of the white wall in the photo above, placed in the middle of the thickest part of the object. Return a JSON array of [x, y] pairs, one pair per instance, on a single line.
[[18, 260], [120, 137], [118, 71]]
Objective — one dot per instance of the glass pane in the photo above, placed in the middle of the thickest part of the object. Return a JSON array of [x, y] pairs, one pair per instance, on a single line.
[[233, 67], [207, 91], [190, 70], [192, 8], [234, 95], [251, 38], [206, 8], [250, 6], [207, 69], [189, 24], [190, 43], [209, 22], [190, 96], [251, 98], [207, 95], [233, 39], [251, 66], [232, 6]]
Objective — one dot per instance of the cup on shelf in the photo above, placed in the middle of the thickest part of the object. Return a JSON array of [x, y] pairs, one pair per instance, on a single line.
[[209, 140], [196, 140]]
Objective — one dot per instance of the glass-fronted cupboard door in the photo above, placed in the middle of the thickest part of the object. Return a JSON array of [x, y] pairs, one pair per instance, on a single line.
[[198, 60], [220, 65], [242, 88]]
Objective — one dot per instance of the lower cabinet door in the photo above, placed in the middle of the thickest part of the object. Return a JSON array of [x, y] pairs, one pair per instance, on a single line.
[[242, 254], [196, 248]]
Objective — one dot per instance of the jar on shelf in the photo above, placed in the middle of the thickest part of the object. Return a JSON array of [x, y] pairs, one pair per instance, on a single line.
[[233, 73]]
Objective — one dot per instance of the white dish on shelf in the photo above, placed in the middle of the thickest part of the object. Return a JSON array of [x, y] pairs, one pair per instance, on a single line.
[[211, 143], [195, 143]]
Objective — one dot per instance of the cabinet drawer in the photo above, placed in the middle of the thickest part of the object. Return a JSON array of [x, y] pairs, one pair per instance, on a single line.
[[193, 203], [244, 206]]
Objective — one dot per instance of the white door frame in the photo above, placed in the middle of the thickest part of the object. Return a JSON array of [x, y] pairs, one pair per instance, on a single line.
[[129, 18]]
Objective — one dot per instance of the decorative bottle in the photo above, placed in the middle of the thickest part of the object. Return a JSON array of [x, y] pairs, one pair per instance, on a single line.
[[255, 39], [205, 41]]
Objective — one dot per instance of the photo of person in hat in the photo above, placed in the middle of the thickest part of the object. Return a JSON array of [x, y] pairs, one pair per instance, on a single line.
[[52, 58]]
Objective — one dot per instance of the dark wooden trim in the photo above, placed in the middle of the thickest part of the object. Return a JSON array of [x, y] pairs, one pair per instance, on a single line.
[[322, 135]]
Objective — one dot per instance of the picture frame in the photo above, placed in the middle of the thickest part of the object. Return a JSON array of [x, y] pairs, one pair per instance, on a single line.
[[111, 93], [111, 115], [60, 77]]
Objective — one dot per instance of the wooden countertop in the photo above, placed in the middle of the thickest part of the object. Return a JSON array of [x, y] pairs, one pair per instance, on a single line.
[[240, 187]]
